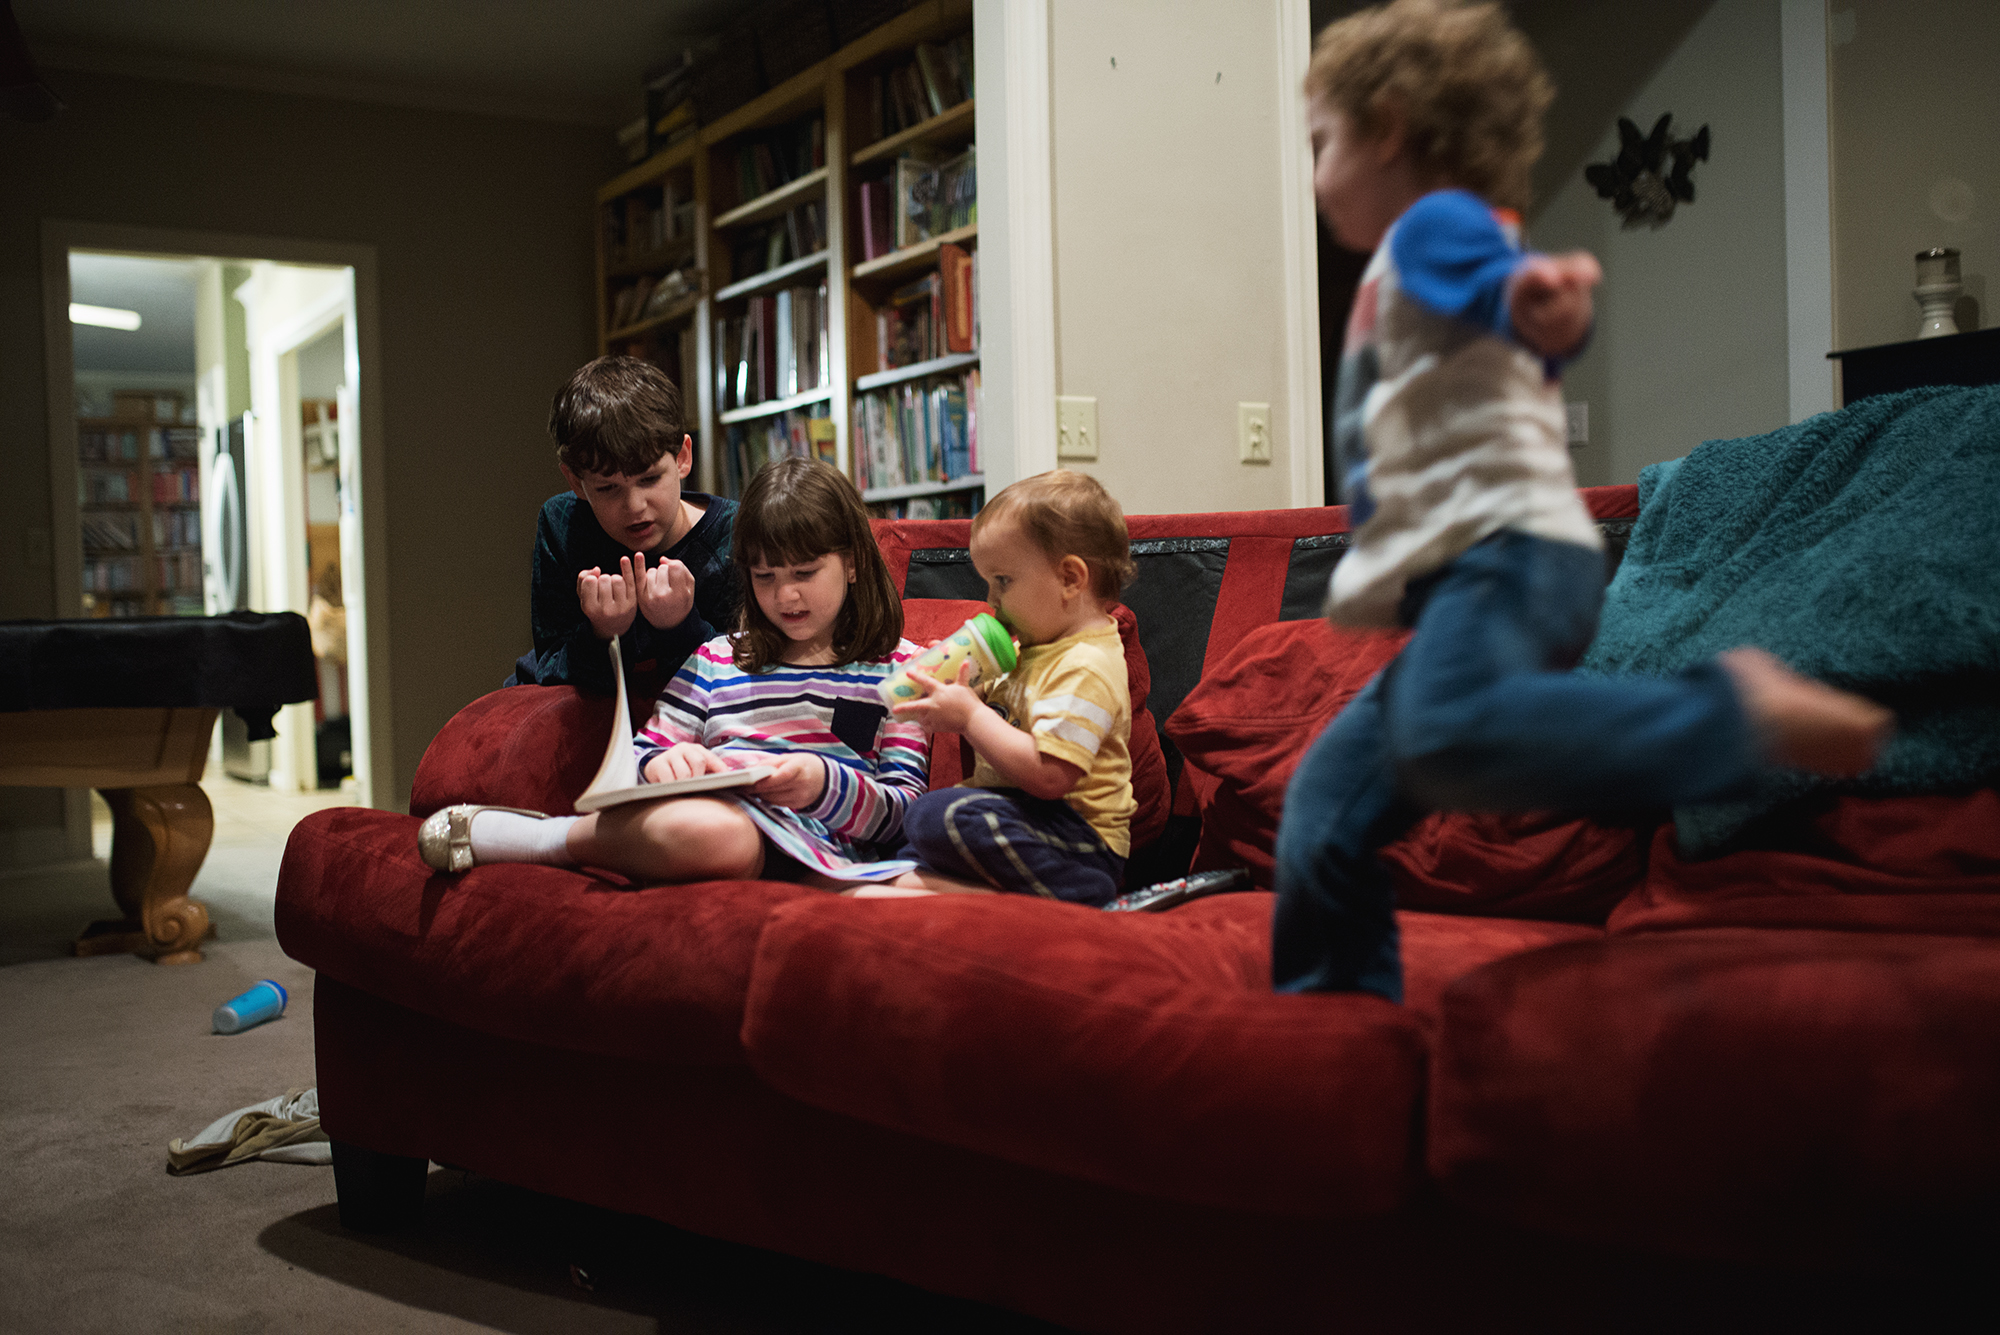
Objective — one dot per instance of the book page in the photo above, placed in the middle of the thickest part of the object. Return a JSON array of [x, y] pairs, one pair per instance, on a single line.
[[618, 781]]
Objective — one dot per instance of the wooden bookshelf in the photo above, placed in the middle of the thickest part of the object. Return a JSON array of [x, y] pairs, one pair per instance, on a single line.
[[743, 271]]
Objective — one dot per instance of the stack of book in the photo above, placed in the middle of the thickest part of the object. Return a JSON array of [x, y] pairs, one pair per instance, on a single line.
[[647, 222], [776, 349], [923, 431], [951, 505], [649, 297], [801, 433], [768, 160], [934, 196], [938, 78], [935, 316], [801, 232]]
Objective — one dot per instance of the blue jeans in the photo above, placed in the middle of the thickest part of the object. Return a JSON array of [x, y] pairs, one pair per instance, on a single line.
[[1478, 713], [1016, 843]]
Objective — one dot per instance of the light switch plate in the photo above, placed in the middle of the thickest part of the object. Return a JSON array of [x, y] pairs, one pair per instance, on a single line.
[[1253, 433], [1076, 427], [1579, 423]]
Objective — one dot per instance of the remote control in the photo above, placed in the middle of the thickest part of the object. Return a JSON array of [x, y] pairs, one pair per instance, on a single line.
[[1168, 894]]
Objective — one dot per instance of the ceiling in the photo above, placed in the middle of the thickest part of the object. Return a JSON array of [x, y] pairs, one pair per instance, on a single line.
[[542, 59], [162, 291]]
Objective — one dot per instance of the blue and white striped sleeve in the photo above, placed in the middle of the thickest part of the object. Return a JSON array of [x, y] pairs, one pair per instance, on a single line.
[[1452, 255]]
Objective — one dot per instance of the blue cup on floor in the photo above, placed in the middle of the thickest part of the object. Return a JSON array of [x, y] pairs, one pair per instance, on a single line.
[[265, 1001]]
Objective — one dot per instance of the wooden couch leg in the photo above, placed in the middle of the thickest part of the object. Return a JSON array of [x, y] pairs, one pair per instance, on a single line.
[[379, 1193]]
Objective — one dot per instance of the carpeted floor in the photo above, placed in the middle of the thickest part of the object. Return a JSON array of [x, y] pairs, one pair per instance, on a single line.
[[103, 1061]]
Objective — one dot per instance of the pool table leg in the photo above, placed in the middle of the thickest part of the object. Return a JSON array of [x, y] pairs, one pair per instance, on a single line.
[[159, 836]]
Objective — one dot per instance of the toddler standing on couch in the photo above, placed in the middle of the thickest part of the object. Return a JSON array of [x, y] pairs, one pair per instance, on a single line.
[[1452, 454], [1049, 806]]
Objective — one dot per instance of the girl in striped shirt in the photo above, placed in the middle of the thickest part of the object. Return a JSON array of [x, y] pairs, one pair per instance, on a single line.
[[792, 688]]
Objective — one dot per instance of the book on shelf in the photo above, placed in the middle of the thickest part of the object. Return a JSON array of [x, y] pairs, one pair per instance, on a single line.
[[777, 348], [935, 195], [877, 229], [775, 157], [951, 505], [632, 140], [907, 327], [748, 446], [937, 77], [956, 284], [922, 431]]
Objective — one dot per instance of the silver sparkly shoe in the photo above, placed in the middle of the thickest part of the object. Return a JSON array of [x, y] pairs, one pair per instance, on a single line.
[[444, 840]]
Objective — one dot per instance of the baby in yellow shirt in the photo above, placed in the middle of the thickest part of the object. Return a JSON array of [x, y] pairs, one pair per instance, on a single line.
[[1048, 808]]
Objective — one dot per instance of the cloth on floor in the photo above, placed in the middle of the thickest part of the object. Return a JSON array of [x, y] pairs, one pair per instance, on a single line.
[[1858, 546], [284, 1129]]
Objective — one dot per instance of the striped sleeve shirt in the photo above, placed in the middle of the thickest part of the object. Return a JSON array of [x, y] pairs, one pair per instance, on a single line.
[[875, 763]]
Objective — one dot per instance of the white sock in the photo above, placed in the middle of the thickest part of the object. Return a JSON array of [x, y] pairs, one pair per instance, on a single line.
[[502, 836]]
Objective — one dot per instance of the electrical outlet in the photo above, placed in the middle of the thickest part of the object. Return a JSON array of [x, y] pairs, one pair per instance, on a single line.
[[1579, 424], [1076, 427], [1253, 433]]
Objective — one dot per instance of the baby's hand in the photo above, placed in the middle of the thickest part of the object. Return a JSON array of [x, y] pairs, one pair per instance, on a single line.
[[666, 593], [685, 760], [945, 706], [1549, 301], [799, 782], [609, 601]]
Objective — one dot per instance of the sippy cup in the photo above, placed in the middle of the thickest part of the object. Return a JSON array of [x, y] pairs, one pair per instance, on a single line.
[[982, 642]]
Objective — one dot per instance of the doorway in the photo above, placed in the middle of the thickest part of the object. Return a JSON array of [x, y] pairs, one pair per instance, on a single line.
[[206, 408]]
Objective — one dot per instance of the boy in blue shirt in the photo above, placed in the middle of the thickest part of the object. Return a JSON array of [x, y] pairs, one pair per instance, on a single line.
[[625, 551], [1451, 449]]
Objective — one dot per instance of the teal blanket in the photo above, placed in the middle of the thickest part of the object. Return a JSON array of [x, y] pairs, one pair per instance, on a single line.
[[1863, 548]]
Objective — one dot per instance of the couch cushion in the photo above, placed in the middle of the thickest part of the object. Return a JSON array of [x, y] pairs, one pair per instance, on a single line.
[[1249, 723], [1799, 1095], [542, 954], [1144, 1052], [1896, 864]]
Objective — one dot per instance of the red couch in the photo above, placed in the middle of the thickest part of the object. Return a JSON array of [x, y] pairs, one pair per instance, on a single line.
[[1612, 1062]]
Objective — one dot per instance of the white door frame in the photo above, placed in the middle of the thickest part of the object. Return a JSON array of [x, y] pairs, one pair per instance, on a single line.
[[366, 597]]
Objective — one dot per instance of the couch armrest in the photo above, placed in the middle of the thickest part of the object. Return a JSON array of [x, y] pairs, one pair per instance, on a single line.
[[522, 746]]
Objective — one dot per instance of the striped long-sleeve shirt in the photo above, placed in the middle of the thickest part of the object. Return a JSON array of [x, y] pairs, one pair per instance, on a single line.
[[875, 763]]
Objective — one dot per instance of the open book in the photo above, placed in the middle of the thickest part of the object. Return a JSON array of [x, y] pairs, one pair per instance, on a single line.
[[618, 780]]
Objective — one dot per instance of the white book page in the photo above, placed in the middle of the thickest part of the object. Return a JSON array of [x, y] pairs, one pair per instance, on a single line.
[[617, 780]]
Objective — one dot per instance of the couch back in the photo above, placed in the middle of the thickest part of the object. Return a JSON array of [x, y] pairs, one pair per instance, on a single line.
[[1205, 582]]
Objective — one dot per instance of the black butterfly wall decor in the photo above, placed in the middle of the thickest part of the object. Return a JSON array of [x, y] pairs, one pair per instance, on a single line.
[[1651, 174]]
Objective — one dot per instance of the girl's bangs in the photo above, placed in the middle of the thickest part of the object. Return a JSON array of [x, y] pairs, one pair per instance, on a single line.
[[785, 535]]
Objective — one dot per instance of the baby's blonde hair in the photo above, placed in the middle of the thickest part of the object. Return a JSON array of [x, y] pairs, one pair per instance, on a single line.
[[1470, 90], [1065, 513]]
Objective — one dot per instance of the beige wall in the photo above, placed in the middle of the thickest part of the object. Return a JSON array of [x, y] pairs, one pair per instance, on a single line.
[[1691, 335], [1169, 243], [482, 231], [1915, 123]]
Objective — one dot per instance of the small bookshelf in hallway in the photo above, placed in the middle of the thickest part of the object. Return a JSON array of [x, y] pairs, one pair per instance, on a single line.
[[806, 268]]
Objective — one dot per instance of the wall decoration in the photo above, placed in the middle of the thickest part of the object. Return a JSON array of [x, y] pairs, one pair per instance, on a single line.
[[1651, 174]]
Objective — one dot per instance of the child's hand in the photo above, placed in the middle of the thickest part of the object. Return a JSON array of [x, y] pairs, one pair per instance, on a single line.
[[685, 760], [609, 601], [1549, 301], [666, 593], [945, 706], [799, 782]]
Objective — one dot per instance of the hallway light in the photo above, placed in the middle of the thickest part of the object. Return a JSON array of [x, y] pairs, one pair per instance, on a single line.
[[108, 316]]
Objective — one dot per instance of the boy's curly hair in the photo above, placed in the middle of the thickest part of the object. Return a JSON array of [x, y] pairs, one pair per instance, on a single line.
[[1470, 89]]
